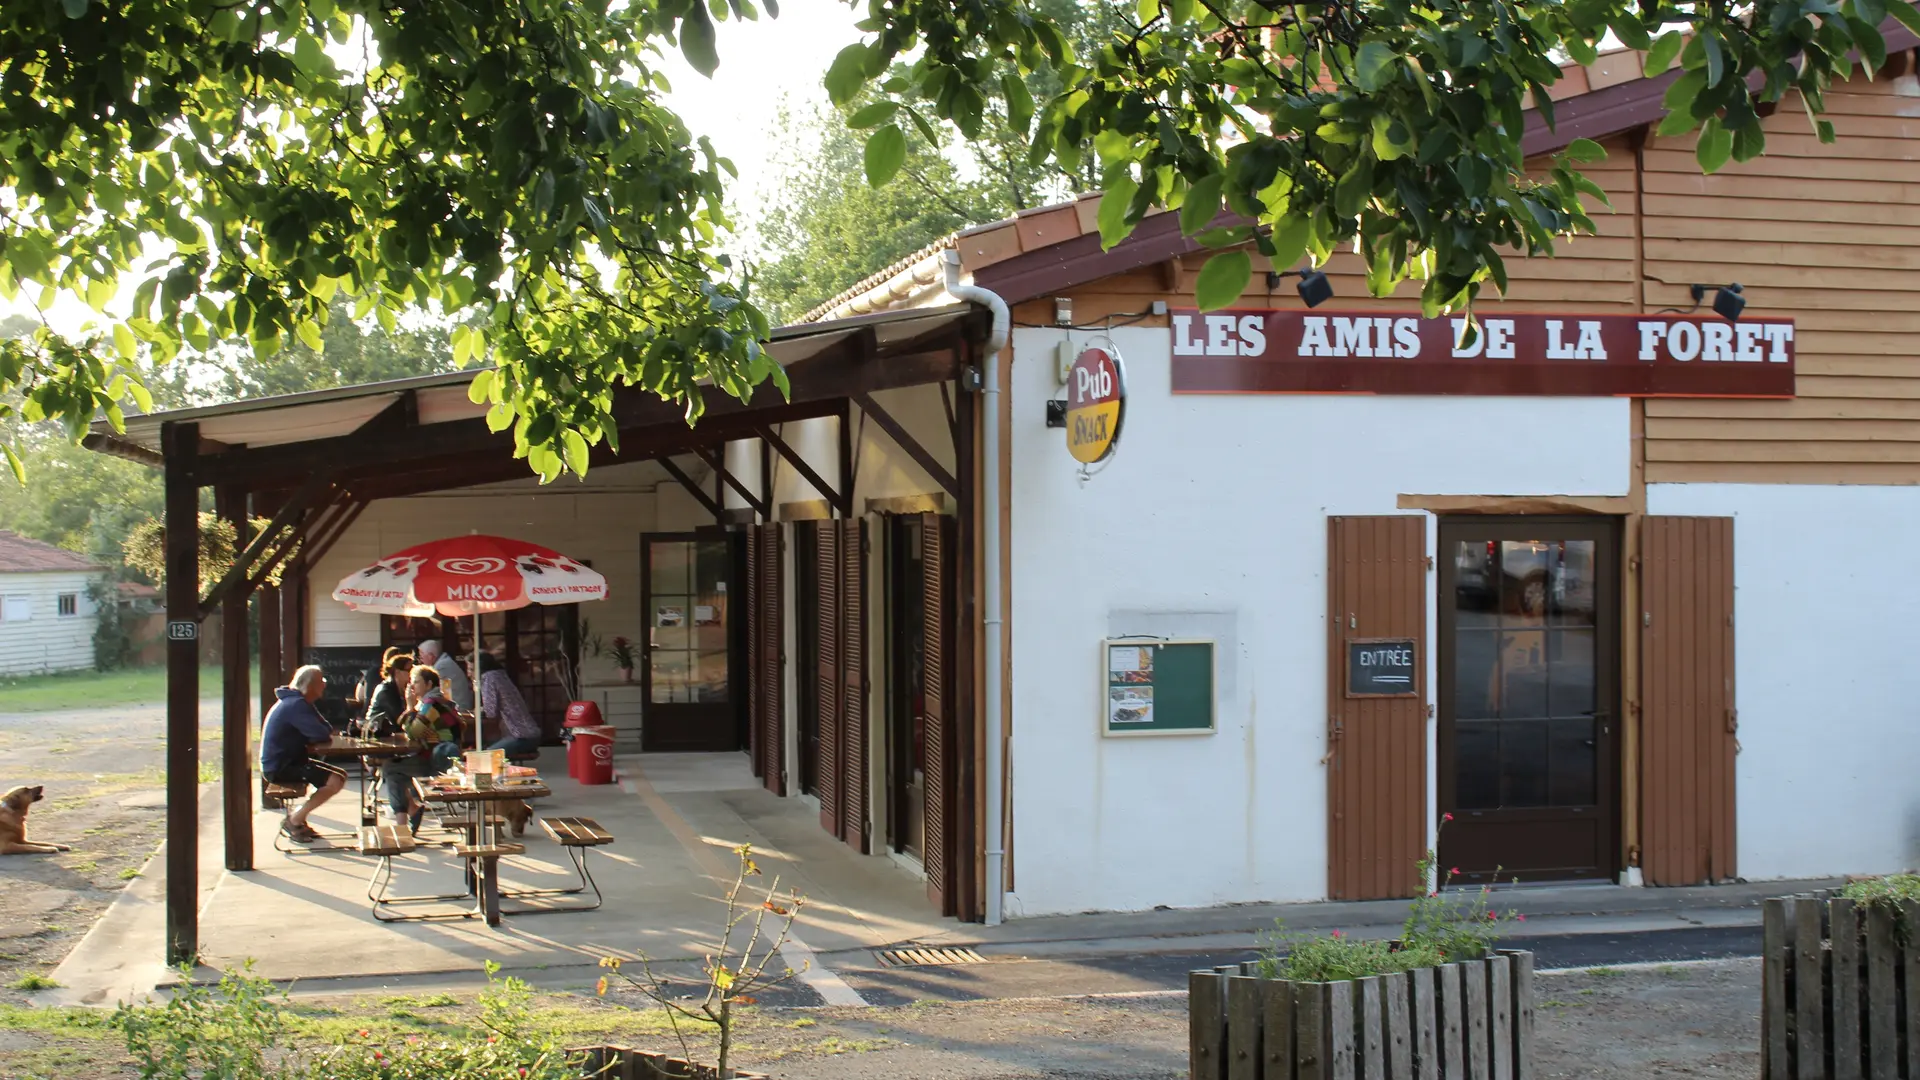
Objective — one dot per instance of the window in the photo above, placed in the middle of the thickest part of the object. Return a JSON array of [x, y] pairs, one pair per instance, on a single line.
[[69, 604], [16, 609]]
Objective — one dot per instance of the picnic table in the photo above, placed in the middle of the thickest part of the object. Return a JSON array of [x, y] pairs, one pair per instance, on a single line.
[[366, 752], [484, 846]]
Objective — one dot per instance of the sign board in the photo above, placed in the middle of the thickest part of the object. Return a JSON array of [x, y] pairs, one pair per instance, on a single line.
[[344, 666], [1382, 667], [183, 630], [1096, 404], [1296, 351], [1154, 687]]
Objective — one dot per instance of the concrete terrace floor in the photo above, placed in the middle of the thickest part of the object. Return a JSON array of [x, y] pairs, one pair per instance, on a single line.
[[676, 819]]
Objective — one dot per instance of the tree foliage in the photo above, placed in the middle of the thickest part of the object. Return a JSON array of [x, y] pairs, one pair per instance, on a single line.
[[240, 164], [1392, 126]]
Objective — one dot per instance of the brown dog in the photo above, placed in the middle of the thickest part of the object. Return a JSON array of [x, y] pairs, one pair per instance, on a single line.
[[517, 812], [13, 824]]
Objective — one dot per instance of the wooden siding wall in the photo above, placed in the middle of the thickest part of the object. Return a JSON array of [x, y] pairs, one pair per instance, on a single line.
[[1826, 235], [47, 641], [1829, 235]]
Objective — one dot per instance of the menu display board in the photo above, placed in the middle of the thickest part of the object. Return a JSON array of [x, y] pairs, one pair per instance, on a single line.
[[1154, 687]]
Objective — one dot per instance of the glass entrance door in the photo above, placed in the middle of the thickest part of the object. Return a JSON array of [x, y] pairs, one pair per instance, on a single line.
[[1529, 635], [688, 664]]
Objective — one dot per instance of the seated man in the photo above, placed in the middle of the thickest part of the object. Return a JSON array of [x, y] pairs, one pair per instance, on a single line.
[[292, 726], [502, 702]]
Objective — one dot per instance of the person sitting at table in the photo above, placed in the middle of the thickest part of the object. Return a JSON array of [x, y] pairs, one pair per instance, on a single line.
[[363, 690], [501, 701], [387, 710], [433, 727], [453, 677], [292, 726]]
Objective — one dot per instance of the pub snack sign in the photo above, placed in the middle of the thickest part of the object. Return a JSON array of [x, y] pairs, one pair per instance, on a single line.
[[1665, 355], [1096, 405]]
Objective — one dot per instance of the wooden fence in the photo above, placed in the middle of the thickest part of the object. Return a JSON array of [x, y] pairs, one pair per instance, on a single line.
[[1840, 991], [626, 1063], [1467, 1021]]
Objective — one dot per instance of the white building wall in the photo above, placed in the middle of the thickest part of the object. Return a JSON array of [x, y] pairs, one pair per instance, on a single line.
[[45, 640], [1218, 504], [1824, 633]]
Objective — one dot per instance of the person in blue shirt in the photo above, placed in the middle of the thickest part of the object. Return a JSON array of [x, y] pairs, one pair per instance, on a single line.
[[293, 725]]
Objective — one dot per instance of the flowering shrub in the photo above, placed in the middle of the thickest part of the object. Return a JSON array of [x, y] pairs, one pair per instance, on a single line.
[[510, 1051], [1443, 927]]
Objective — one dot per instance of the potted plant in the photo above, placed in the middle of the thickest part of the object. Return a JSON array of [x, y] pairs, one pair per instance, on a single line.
[[1440, 1000], [622, 651]]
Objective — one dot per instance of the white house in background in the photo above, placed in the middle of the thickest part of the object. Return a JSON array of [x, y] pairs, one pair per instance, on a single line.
[[46, 618]]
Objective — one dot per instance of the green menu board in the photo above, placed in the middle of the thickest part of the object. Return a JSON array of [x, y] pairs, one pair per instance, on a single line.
[[1157, 687]]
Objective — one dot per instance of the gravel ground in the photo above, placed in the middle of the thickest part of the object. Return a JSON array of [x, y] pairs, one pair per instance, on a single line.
[[103, 771]]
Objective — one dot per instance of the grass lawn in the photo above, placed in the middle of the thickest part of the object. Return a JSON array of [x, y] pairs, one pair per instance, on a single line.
[[94, 689]]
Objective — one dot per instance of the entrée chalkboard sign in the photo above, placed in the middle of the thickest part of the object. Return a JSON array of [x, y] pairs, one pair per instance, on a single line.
[[1382, 667]]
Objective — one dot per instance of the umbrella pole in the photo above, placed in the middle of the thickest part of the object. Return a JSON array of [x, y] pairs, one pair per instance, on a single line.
[[473, 660]]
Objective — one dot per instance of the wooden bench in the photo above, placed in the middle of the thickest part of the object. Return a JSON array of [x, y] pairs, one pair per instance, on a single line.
[[576, 835], [276, 796], [385, 842]]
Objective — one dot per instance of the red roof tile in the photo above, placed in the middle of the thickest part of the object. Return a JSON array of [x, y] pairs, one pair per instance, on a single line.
[[19, 555]]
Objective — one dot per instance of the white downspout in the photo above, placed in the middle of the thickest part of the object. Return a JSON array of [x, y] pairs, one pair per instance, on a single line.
[[991, 618]]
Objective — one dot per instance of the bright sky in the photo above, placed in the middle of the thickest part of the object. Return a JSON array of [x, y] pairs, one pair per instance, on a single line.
[[761, 63]]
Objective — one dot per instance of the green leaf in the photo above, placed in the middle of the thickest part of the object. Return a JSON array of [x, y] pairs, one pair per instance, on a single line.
[[886, 151], [13, 460], [1749, 142], [1874, 12], [1114, 204], [75, 9], [1222, 280], [1013, 90], [1585, 150], [1290, 236], [1372, 64], [1391, 139], [1630, 32], [309, 334], [847, 74], [1715, 145], [1908, 14], [1146, 11], [1203, 203], [1350, 195], [873, 115], [575, 449], [1660, 56], [480, 387], [1679, 103], [1716, 58], [1823, 129], [696, 41]]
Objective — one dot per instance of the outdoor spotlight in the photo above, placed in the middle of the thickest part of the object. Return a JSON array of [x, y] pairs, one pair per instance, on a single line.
[[1315, 289], [1728, 301]]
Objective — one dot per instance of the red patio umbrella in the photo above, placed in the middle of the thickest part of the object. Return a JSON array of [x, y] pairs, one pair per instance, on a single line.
[[469, 575]]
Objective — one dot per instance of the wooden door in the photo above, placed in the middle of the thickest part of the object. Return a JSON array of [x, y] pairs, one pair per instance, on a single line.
[[767, 731], [1528, 663], [1688, 716], [827, 680], [1376, 746], [688, 662], [855, 820], [938, 740]]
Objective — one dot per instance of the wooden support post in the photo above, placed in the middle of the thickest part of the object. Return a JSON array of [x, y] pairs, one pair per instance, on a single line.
[[180, 443], [268, 605], [236, 778], [699, 493], [766, 482], [846, 459], [292, 611]]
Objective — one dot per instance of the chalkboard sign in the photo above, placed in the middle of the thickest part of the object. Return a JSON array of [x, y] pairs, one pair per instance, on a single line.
[[344, 665], [1157, 687], [1382, 667]]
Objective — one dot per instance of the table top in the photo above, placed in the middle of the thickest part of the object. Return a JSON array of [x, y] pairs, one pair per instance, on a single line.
[[434, 789], [346, 746]]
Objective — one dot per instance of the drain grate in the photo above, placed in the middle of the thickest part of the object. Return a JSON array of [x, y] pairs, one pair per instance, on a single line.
[[928, 957]]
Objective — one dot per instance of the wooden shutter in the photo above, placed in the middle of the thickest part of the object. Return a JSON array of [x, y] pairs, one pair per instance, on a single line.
[[936, 693], [768, 729], [1376, 747], [1687, 717], [756, 744], [828, 757], [853, 691]]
